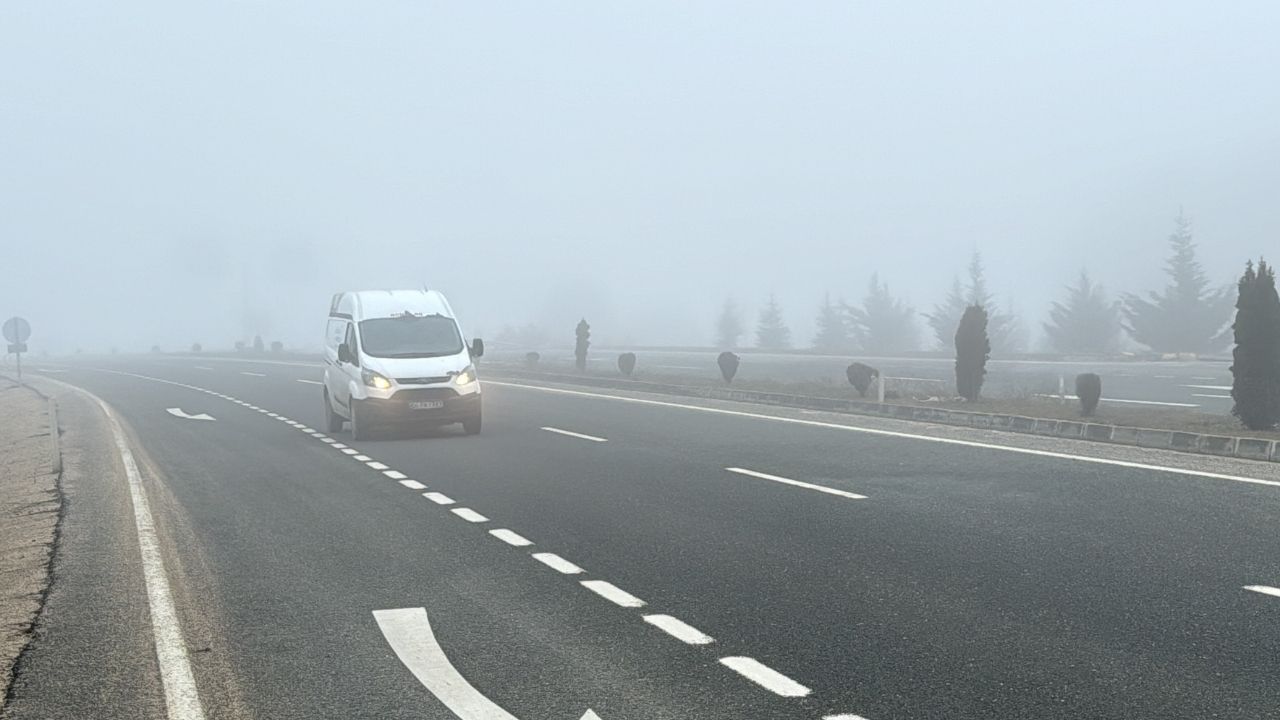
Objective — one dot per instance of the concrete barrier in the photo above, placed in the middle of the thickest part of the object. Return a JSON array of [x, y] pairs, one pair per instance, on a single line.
[[1254, 448], [1099, 433], [1155, 438]]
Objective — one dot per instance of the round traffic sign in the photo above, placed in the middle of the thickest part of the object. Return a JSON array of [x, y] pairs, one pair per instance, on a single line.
[[17, 330]]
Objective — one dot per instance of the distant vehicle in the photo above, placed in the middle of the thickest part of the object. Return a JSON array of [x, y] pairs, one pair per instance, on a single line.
[[398, 357]]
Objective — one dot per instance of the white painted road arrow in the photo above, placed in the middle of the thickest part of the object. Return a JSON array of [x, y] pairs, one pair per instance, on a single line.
[[177, 412], [409, 633]]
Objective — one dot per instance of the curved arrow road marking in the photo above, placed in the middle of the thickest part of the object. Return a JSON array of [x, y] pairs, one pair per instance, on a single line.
[[409, 633], [178, 412]]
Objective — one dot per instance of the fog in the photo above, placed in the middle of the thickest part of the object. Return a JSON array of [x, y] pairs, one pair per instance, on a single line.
[[181, 172]]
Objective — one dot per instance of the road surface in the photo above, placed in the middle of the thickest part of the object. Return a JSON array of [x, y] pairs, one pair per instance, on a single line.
[[649, 558]]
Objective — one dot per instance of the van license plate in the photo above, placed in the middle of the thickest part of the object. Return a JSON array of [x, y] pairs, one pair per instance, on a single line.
[[426, 405]]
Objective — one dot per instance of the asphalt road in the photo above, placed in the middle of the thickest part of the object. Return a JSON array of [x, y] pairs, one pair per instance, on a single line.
[[836, 573], [1202, 385]]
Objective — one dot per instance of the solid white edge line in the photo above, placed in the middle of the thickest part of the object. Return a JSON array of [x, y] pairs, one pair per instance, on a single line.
[[438, 498], [310, 382], [469, 515], [679, 629], [613, 593], [394, 474], [557, 563], [182, 699], [905, 435], [765, 676], [580, 436], [1264, 589], [409, 632], [510, 537], [843, 717], [413, 485], [797, 483]]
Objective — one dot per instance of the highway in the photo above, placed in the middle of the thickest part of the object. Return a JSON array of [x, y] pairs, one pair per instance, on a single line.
[[617, 555]]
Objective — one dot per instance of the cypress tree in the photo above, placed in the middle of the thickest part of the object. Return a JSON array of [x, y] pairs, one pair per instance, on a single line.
[[1256, 367], [582, 334], [973, 347]]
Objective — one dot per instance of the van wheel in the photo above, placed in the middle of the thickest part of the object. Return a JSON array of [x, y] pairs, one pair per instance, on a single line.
[[359, 422], [471, 426], [332, 420]]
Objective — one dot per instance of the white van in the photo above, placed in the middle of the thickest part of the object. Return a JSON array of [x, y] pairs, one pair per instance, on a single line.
[[398, 356]]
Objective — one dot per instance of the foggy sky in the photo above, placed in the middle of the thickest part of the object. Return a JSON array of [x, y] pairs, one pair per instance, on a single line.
[[163, 165]]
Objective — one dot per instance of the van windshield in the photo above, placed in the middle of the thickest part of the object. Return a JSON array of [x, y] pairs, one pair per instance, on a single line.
[[410, 336]]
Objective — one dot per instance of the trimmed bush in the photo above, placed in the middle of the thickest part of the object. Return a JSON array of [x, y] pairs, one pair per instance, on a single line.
[[195, 347], [972, 350], [257, 343], [1089, 390], [531, 359], [277, 346], [627, 363], [860, 377], [728, 363], [155, 350]]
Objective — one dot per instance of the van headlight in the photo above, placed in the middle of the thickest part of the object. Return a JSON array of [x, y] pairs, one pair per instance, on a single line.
[[466, 377], [375, 380]]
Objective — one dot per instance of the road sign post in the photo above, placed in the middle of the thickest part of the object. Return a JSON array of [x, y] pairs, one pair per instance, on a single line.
[[16, 330]]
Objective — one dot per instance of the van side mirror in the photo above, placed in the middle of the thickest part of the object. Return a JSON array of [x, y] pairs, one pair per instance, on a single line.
[[344, 354], [477, 348]]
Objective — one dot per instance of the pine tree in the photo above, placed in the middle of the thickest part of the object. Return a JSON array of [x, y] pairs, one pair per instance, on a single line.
[[833, 327], [1002, 327], [1188, 316], [771, 331], [973, 348], [729, 325], [884, 324], [1256, 370], [1087, 322]]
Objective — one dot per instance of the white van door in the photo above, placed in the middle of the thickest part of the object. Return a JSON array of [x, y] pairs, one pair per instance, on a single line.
[[341, 370]]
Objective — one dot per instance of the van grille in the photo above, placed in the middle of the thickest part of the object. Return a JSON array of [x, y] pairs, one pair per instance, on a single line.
[[423, 380]]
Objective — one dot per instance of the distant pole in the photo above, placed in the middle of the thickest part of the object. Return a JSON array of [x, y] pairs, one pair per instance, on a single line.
[[880, 389], [1062, 389]]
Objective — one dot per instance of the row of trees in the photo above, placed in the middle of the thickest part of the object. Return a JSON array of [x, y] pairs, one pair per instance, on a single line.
[[1189, 315]]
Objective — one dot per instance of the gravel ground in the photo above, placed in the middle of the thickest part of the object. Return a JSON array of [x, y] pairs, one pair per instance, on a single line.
[[29, 504]]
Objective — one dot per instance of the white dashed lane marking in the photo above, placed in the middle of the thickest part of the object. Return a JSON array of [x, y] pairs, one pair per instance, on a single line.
[[679, 630], [376, 465], [797, 483], [361, 458], [613, 593], [470, 515], [438, 498], [1264, 589], [394, 474], [557, 563], [252, 374], [580, 436], [413, 485], [765, 676], [310, 382], [510, 538]]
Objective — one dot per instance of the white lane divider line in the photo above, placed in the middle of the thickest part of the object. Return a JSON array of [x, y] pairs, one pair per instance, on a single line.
[[347, 450], [470, 515], [1207, 387], [765, 676], [272, 415], [376, 465], [557, 563], [1264, 589], [510, 538], [306, 429], [413, 485], [409, 632], [438, 498], [327, 440], [843, 717], [797, 483], [310, 382], [679, 630], [1206, 395], [252, 374], [182, 700], [361, 458], [613, 593], [203, 367], [846, 427], [394, 474], [339, 446], [580, 436]]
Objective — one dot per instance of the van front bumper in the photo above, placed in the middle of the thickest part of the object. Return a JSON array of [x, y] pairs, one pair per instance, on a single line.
[[439, 406]]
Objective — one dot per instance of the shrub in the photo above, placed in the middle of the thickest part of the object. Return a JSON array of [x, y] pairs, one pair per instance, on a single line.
[[582, 334], [627, 363], [531, 359], [257, 343], [155, 350], [860, 377], [972, 350], [195, 347], [728, 363], [1089, 390], [277, 346]]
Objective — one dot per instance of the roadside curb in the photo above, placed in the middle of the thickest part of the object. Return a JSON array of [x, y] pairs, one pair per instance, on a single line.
[[1244, 448]]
